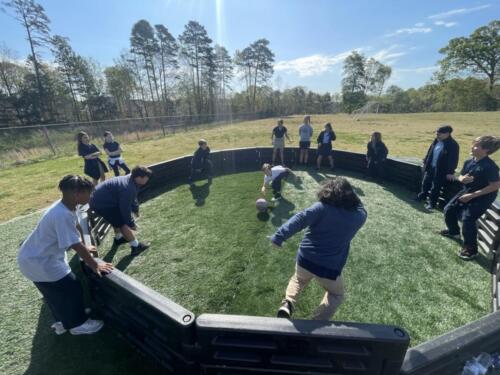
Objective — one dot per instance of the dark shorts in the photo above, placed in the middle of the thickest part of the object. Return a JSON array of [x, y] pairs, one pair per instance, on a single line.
[[112, 216], [325, 149], [304, 145]]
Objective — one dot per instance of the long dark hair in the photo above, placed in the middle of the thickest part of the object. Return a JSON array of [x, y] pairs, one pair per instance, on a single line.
[[80, 136], [338, 192]]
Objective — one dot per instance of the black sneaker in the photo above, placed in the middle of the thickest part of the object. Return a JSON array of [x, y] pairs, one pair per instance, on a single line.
[[446, 233], [119, 241], [286, 310], [468, 254], [136, 250]]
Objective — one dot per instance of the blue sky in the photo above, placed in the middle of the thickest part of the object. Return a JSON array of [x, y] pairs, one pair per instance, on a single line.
[[310, 38]]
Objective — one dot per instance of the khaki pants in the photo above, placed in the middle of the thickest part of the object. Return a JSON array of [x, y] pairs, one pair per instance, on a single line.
[[331, 301]]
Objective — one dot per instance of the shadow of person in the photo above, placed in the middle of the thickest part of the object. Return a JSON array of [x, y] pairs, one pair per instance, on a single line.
[[282, 211], [263, 216], [296, 182], [200, 193], [111, 253], [101, 353]]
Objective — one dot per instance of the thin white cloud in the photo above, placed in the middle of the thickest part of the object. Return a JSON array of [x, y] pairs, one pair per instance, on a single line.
[[389, 55], [419, 24], [319, 64], [423, 69], [411, 30], [311, 65], [456, 12], [445, 24]]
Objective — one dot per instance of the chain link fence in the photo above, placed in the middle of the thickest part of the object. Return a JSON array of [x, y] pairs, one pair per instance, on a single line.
[[22, 144]]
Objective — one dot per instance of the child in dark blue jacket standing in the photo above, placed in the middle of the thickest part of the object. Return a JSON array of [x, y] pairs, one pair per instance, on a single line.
[[331, 225]]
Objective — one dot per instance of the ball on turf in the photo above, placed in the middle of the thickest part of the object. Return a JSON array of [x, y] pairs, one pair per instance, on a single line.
[[261, 205]]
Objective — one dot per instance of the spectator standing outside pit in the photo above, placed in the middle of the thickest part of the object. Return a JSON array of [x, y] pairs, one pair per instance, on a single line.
[[481, 182], [305, 134], [325, 139], [278, 139], [43, 259], [439, 165], [94, 167], [114, 151]]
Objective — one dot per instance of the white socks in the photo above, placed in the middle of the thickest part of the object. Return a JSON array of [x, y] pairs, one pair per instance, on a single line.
[[118, 236], [134, 243]]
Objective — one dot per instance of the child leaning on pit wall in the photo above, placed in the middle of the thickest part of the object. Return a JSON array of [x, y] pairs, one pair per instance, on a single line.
[[376, 156], [201, 162], [114, 151], [94, 167], [481, 181], [331, 225], [42, 259], [273, 176]]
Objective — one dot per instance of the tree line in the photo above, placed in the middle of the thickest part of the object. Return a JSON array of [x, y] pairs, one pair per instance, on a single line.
[[162, 75]]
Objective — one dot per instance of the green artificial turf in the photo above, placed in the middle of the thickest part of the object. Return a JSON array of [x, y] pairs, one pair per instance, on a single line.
[[210, 254]]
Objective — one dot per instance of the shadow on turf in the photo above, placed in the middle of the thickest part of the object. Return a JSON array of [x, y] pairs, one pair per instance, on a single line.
[[102, 353], [200, 193], [397, 191], [282, 211]]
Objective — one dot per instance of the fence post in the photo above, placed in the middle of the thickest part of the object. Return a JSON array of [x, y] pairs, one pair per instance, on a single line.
[[49, 141]]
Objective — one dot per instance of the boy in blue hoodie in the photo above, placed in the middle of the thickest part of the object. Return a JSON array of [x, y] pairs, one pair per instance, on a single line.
[[331, 225]]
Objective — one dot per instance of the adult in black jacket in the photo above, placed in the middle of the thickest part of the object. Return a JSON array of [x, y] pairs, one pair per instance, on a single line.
[[439, 165], [325, 139], [376, 155]]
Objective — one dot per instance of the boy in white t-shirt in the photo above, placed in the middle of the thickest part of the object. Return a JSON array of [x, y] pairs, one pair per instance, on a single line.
[[42, 259], [273, 176]]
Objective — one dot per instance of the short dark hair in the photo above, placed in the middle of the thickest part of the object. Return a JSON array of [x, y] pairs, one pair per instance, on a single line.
[[107, 132], [338, 192], [202, 142], [75, 183], [141, 171], [444, 129]]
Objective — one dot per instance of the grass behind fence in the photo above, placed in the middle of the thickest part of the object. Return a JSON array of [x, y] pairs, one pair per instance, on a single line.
[[26, 188]]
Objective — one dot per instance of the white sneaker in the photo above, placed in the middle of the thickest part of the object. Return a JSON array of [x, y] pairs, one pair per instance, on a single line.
[[58, 328], [90, 327]]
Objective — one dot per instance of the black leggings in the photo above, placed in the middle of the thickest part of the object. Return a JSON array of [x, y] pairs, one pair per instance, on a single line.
[[65, 300]]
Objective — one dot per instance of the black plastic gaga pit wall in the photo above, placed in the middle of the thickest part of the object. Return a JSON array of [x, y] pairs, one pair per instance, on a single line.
[[230, 344]]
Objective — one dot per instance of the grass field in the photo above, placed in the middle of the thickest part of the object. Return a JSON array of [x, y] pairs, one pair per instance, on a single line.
[[210, 253], [27, 188]]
